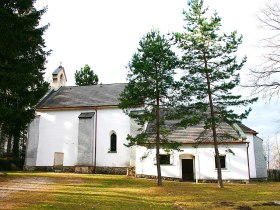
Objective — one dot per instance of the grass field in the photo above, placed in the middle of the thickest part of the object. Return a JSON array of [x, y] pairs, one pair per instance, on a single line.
[[78, 191]]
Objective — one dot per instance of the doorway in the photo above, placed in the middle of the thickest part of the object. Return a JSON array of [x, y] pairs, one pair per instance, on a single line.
[[187, 170]]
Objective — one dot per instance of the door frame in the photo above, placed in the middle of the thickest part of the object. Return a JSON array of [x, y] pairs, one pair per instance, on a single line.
[[187, 157]]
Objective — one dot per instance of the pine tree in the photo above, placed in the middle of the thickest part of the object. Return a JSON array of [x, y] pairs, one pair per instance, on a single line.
[[85, 76], [210, 72], [22, 60], [151, 87]]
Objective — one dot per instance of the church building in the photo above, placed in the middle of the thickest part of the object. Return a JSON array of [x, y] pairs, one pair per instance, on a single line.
[[81, 129]]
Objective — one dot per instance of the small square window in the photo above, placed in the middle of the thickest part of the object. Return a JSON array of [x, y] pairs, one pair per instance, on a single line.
[[222, 161], [164, 159]]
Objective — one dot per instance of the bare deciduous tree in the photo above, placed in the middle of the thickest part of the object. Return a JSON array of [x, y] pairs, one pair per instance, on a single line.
[[265, 78], [272, 153], [275, 156]]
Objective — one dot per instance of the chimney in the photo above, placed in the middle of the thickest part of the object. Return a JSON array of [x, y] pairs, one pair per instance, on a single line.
[[58, 78]]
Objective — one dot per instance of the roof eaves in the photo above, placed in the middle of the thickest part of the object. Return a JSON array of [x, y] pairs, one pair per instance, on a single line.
[[76, 107], [87, 115], [44, 98], [207, 143]]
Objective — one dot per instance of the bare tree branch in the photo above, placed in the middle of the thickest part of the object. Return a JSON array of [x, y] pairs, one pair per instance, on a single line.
[[265, 78]]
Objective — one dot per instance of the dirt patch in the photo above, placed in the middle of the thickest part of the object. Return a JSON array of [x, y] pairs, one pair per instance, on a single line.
[[11, 188], [28, 184]]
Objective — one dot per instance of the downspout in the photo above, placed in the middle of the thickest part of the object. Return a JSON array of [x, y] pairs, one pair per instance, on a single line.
[[247, 146], [196, 166], [95, 138], [196, 171]]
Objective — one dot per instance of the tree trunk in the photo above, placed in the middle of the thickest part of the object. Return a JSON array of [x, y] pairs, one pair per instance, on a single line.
[[9, 145], [2, 141], [213, 125], [16, 135], [159, 179]]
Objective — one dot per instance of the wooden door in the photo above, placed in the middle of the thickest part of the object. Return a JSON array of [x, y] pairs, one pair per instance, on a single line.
[[187, 169]]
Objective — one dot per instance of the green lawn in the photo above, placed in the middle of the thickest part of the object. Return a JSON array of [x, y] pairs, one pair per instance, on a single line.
[[78, 191]]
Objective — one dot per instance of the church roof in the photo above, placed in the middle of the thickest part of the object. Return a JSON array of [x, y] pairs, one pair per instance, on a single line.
[[57, 70], [199, 134], [246, 129], [83, 96]]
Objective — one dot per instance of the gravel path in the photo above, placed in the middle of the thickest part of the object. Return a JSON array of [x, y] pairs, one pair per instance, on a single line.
[[9, 187]]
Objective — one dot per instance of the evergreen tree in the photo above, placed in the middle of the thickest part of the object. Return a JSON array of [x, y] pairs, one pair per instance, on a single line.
[[22, 60], [151, 86], [85, 76], [211, 72]]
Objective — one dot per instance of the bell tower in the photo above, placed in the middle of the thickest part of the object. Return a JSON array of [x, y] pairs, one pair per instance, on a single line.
[[58, 78]]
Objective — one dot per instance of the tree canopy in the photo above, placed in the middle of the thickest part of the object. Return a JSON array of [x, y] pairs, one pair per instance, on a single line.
[[151, 86], [86, 76], [22, 60], [210, 72]]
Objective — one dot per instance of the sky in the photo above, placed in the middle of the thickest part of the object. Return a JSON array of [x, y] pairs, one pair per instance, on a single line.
[[105, 34]]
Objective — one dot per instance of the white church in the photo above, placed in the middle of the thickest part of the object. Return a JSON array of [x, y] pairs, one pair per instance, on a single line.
[[81, 129]]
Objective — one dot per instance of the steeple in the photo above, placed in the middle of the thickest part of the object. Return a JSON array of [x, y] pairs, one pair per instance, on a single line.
[[58, 78]]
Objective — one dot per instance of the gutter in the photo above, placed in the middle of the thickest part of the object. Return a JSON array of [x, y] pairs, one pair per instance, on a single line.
[[247, 147], [204, 143]]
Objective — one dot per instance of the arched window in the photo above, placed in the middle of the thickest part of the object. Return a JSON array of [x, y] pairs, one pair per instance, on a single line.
[[61, 77], [113, 147]]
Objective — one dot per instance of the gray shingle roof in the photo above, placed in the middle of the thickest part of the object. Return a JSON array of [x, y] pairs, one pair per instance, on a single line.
[[83, 96], [87, 115], [246, 129], [197, 133], [57, 70]]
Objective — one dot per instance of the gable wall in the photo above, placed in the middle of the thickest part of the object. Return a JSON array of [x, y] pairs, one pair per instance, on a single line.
[[261, 168]]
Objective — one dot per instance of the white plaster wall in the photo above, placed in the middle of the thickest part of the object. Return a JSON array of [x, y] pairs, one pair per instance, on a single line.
[[204, 165], [58, 132], [109, 120], [252, 159], [32, 143], [261, 167]]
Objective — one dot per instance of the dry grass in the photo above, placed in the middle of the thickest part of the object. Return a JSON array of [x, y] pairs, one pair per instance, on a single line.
[[77, 191]]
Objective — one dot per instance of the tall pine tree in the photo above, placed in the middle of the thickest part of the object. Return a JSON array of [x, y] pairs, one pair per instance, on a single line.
[[22, 60], [210, 72], [151, 86]]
